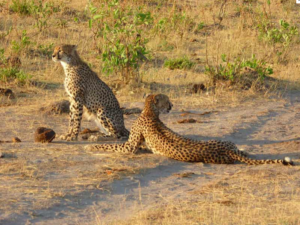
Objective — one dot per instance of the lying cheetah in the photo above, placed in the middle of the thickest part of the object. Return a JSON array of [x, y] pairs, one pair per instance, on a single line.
[[85, 88], [161, 140]]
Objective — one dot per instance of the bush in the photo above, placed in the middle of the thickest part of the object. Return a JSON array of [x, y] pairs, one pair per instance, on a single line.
[[18, 46], [119, 32], [232, 70], [9, 73], [22, 7], [2, 57], [14, 74], [46, 50], [283, 35], [179, 63], [38, 9], [280, 37]]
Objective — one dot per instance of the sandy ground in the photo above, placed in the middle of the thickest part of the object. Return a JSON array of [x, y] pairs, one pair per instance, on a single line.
[[61, 183]]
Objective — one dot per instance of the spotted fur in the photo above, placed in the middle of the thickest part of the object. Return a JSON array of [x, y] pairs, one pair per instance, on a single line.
[[85, 88], [161, 140]]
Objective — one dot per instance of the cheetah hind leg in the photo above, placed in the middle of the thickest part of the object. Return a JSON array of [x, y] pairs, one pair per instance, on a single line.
[[92, 116], [107, 133]]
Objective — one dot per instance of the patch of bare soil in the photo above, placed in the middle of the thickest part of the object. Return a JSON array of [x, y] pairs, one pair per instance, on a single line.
[[61, 183]]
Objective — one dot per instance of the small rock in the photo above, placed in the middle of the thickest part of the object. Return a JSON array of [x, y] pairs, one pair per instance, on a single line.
[[7, 92], [183, 175], [44, 135], [187, 121], [197, 88], [16, 139], [208, 112]]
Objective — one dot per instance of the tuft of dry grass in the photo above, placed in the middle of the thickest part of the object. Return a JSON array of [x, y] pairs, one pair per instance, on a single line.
[[250, 197]]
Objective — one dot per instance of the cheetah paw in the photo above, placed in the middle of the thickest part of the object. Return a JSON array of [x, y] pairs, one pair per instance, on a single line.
[[68, 137], [64, 137], [72, 138], [93, 138]]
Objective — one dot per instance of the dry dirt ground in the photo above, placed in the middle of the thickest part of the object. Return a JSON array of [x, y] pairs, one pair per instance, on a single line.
[[61, 183]]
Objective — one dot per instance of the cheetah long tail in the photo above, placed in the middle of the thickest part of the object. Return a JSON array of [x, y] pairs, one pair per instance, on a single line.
[[240, 156]]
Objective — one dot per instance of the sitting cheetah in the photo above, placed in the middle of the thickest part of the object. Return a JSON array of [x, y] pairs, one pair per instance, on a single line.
[[85, 88], [161, 140]]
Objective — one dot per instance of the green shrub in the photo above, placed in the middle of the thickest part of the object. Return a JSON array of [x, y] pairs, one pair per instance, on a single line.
[[283, 35], [46, 50], [257, 65], [14, 74], [179, 63], [22, 7], [19, 45], [232, 70], [38, 9], [8, 73], [199, 27], [42, 11], [2, 57], [280, 37], [119, 32]]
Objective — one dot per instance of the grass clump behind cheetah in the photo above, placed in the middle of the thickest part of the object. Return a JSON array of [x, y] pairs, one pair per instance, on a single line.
[[161, 140], [85, 88]]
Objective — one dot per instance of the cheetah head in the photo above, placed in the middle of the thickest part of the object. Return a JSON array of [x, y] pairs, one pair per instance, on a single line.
[[160, 102], [63, 53]]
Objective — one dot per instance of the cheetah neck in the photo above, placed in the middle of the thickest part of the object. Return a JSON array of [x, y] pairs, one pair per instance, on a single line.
[[71, 62], [66, 66], [150, 110]]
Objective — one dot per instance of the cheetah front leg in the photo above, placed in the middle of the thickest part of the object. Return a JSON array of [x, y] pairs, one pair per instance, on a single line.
[[70, 129], [76, 110]]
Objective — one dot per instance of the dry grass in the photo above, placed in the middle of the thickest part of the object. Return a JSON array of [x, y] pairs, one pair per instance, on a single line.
[[58, 177], [234, 35], [47, 176], [248, 197]]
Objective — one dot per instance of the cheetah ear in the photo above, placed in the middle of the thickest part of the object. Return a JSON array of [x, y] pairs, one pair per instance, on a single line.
[[156, 98], [146, 95], [151, 96], [74, 48]]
